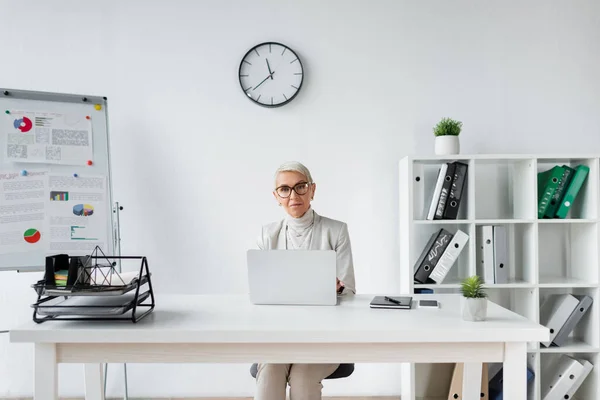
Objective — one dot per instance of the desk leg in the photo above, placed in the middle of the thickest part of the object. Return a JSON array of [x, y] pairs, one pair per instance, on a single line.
[[94, 382], [472, 381], [45, 372], [515, 371]]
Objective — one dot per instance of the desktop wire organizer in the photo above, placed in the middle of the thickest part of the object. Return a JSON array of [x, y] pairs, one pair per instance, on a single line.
[[94, 289]]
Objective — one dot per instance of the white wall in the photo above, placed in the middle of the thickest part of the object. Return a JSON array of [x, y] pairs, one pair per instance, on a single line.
[[193, 159]]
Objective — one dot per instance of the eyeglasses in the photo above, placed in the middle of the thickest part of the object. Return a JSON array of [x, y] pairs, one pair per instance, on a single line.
[[300, 189]]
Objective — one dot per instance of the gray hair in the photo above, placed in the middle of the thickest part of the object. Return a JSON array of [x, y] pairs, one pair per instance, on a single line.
[[293, 166]]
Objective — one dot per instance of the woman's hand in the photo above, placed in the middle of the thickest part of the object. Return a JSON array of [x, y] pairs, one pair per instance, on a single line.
[[339, 285]]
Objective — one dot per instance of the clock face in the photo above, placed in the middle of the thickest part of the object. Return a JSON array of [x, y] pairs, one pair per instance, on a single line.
[[271, 74]]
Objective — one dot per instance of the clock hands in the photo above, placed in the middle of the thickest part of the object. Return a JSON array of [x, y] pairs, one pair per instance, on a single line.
[[263, 81], [269, 67]]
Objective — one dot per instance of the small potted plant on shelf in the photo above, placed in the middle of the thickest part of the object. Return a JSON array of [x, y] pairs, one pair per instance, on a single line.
[[446, 136], [474, 300]]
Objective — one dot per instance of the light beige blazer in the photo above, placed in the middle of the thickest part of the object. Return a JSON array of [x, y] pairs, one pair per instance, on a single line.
[[328, 234]]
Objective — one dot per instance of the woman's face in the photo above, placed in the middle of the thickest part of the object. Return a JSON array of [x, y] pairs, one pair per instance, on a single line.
[[293, 203]]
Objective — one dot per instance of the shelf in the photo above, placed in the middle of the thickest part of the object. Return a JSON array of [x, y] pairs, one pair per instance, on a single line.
[[501, 157], [572, 345], [568, 221], [475, 221], [495, 182], [543, 256], [442, 221], [437, 285], [511, 285], [568, 253], [563, 282], [504, 221]]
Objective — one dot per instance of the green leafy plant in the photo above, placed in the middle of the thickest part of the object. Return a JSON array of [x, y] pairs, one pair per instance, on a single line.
[[472, 287], [447, 127]]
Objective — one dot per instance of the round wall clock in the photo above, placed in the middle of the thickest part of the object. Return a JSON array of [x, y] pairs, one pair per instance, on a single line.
[[271, 74]]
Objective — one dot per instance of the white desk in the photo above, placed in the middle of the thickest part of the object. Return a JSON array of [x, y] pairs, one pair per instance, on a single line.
[[228, 329]]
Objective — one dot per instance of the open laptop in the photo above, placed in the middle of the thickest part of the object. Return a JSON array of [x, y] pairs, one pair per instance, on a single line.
[[292, 277]]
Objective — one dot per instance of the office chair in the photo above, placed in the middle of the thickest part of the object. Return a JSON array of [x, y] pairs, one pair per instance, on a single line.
[[343, 371]]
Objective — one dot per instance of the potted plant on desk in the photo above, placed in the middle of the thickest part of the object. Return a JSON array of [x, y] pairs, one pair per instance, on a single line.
[[446, 137], [474, 300]]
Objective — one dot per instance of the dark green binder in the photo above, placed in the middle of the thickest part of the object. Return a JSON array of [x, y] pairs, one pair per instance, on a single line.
[[547, 183], [581, 172], [559, 193]]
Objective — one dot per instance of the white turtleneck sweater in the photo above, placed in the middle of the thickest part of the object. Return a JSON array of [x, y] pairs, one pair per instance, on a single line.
[[313, 232], [299, 230]]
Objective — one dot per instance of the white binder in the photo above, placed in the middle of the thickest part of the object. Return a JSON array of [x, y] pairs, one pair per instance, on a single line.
[[449, 257], [485, 253], [587, 368], [585, 302], [500, 254], [555, 311], [436, 192], [565, 378]]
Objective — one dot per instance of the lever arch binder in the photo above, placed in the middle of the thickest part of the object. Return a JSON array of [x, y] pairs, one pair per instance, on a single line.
[[587, 368], [456, 191], [496, 384], [449, 257], [456, 384], [585, 302], [445, 192], [436, 191], [500, 254], [431, 254], [565, 378], [581, 173], [555, 312], [485, 252]]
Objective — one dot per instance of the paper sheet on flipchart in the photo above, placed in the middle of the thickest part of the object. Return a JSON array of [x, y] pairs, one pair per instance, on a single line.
[[23, 224], [47, 137]]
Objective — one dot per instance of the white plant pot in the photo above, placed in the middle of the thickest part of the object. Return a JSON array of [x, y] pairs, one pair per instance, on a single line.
[[474, 309], [445, 145]]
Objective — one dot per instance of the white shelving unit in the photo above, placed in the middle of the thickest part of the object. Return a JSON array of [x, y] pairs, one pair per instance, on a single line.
[[546, 256]]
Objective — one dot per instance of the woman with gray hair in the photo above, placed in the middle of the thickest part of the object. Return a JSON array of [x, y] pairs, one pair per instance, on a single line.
[[302, 229]]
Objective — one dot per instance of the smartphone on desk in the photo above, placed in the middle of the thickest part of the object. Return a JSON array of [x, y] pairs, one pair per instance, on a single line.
[[428, 304]]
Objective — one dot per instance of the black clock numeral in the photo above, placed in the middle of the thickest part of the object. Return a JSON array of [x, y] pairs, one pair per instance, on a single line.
[[294, 87], [297, 73], [271, 100], [284, 49], [258, 98], [269, 47], [257, 52], [249, 63], [249, 87], [244, 75], [285, 96], [291, 62]]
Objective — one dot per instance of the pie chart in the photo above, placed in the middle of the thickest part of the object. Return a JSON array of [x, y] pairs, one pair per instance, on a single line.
[[32, 236], [83, 210], [23, 124]]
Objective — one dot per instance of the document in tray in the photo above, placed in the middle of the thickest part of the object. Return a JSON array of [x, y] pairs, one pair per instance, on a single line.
[[23, 211], [48, 137], [97, 305]]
